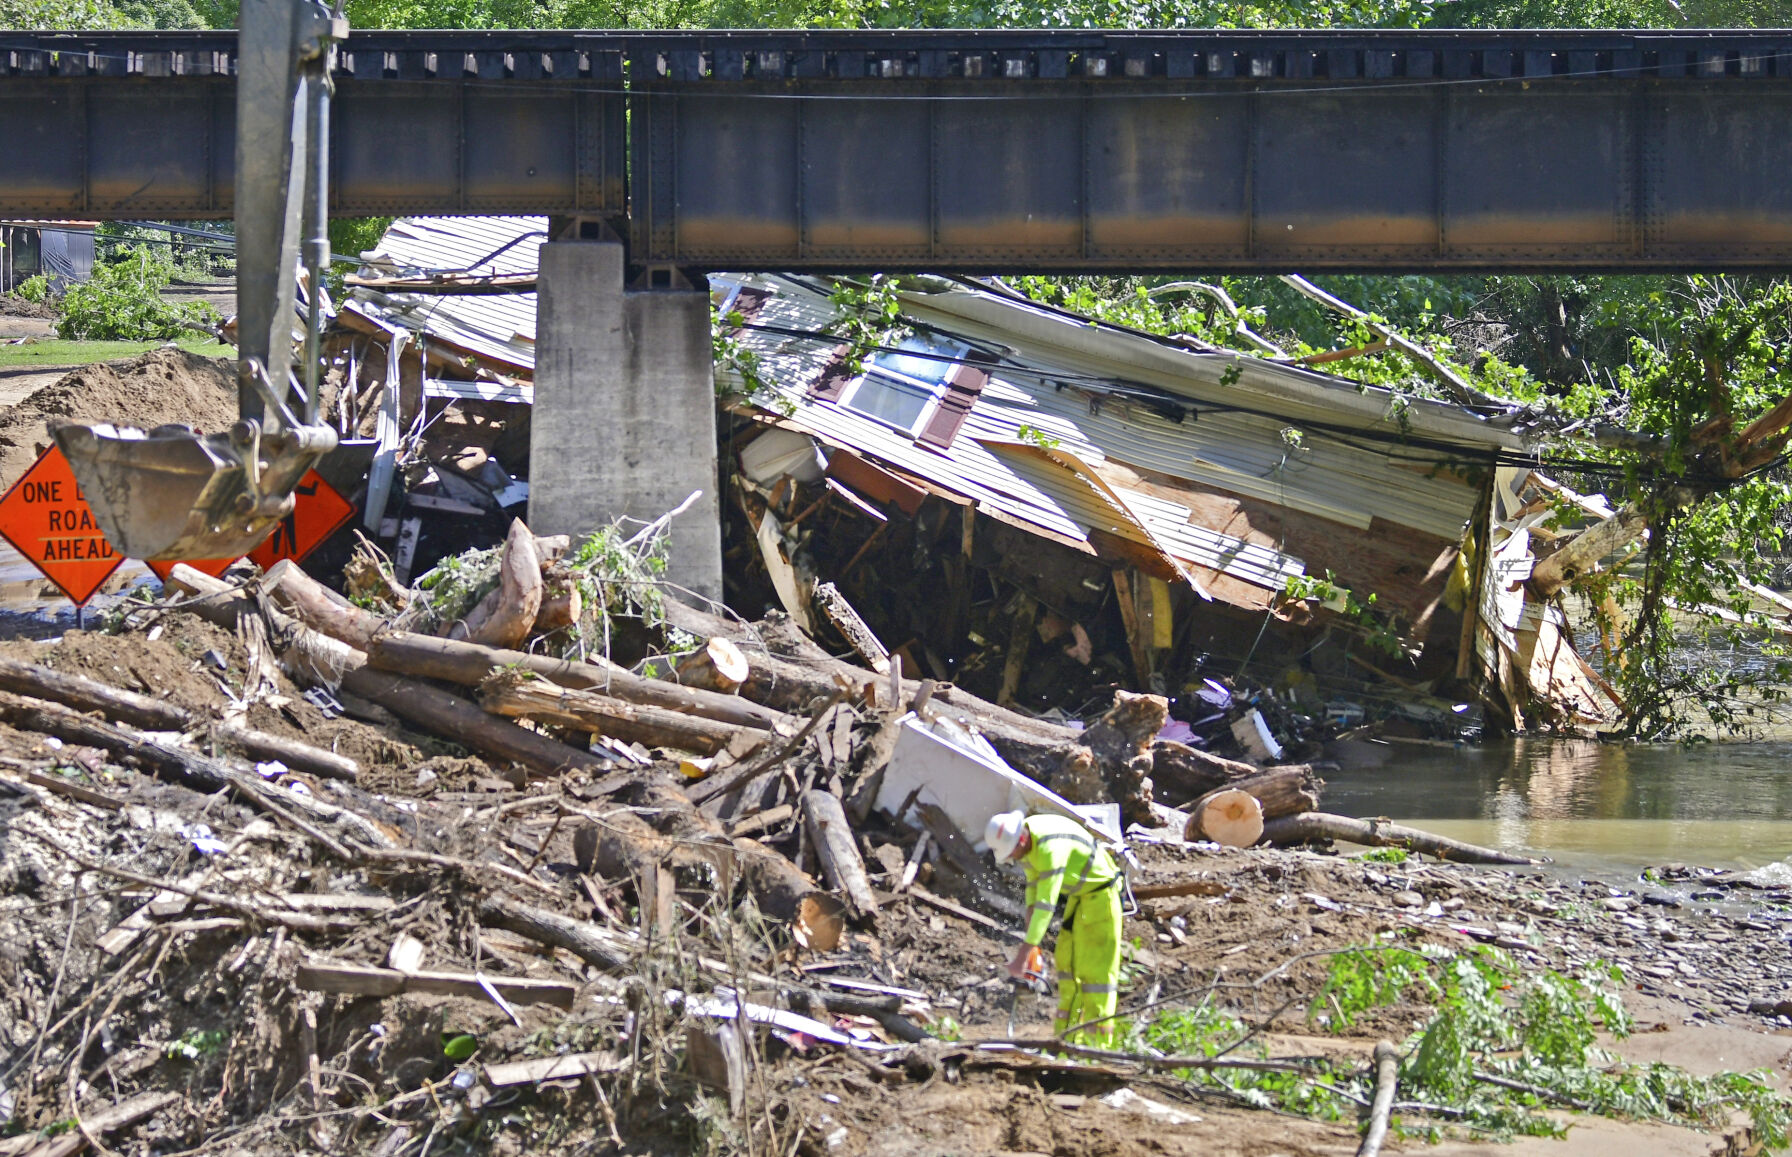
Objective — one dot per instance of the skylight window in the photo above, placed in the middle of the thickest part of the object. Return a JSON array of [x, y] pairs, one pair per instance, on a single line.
[[902, 389]]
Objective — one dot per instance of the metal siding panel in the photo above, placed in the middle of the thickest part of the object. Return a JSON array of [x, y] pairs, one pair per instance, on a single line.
[[1531, 171], [1168, 176], [1009, 179], [736, 175], [864, 194], [1238, 453], [1346, 174], [44, 138]]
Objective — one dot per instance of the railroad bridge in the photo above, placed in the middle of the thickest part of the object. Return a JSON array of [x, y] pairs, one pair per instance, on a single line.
[[658, 156]]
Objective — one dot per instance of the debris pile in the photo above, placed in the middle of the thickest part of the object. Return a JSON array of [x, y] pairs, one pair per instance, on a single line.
[[411, 871]]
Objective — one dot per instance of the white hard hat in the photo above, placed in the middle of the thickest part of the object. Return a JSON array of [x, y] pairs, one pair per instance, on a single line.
[[1002, 833]]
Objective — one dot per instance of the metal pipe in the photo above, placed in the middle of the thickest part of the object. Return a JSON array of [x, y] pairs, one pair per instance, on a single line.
[[317, 223]]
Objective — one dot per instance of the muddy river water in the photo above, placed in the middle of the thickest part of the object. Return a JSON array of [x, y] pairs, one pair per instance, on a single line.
[[1594, 808]]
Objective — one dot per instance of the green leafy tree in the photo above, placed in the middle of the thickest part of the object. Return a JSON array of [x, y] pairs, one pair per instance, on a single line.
[[122, 301]]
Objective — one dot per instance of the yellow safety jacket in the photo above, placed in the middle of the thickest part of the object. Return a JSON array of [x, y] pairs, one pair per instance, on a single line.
[[1064, 859]]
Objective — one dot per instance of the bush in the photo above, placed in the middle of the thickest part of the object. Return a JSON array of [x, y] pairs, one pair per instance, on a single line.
[[122, 301], [35, 289]]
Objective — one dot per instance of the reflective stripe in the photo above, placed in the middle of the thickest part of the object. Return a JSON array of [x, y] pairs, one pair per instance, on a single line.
[[1048, 875], [1066, 976], [1088, 866], [1079, 837], [1042, 907], [1097, 989]]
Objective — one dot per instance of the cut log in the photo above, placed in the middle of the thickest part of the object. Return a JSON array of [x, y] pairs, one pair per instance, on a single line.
[[587, 941], [1281, 791], [503, 618], [838, 851], [1180, 773], [1229, 817], [561, 604], [718, 666], [537, 699], [428, 708], [428, 657], [1120, 741], [187, 768], [452, 717], [296, 755], [142, 711], [85, 694], [551, 548], [1309, 827], [319, 607]]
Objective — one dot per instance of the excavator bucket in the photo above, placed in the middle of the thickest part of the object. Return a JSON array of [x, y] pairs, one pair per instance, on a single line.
[[172, 493]]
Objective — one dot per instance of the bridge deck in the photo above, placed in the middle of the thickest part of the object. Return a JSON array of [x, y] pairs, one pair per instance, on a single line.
[[973, 150]]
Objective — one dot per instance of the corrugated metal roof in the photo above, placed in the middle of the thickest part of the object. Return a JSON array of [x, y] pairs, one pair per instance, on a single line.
[[1239, 452], [497, 327], [993, 462], [1054, 389]]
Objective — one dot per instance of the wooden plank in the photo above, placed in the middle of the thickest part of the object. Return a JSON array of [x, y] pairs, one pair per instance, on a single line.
[[368, 980], [843, 720], [846, 620], [138, 1108], [955, 847], [62, 786], [717, 1057], [552, 1068], [960, 911], [1129, 618]]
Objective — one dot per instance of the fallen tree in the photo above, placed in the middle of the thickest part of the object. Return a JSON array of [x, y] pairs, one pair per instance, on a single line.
[[1314, 827]]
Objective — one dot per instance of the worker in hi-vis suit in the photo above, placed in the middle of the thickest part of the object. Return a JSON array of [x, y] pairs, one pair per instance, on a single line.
[[1061, 858]]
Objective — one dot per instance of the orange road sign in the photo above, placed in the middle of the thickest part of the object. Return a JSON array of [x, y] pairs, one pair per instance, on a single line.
[[46, 518], [317, 513]]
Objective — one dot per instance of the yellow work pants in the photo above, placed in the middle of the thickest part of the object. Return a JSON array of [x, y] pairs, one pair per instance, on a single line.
[[1088, 966]]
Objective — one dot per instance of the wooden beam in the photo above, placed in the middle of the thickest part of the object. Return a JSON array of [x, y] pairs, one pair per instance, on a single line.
[[368, 980]]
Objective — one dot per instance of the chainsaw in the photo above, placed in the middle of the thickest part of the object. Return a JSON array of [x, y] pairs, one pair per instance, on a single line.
[[1032, 979]]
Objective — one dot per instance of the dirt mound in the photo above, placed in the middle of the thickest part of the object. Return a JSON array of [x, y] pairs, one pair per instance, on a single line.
[[19, 307], [164, 385]]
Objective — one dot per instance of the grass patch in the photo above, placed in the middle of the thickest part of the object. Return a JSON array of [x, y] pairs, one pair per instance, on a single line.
[[56, 352]]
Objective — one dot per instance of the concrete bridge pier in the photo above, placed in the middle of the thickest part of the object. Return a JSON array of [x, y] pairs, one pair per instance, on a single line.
[[624, 421]]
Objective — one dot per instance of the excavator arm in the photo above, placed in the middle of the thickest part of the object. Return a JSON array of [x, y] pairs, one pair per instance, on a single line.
[[173, 492]]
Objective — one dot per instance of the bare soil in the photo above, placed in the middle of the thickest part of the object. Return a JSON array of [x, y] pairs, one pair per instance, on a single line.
[[161, 386], [11, 306]]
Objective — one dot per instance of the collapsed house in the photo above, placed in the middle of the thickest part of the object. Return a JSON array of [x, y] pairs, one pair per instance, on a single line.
[[1041, 508]]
